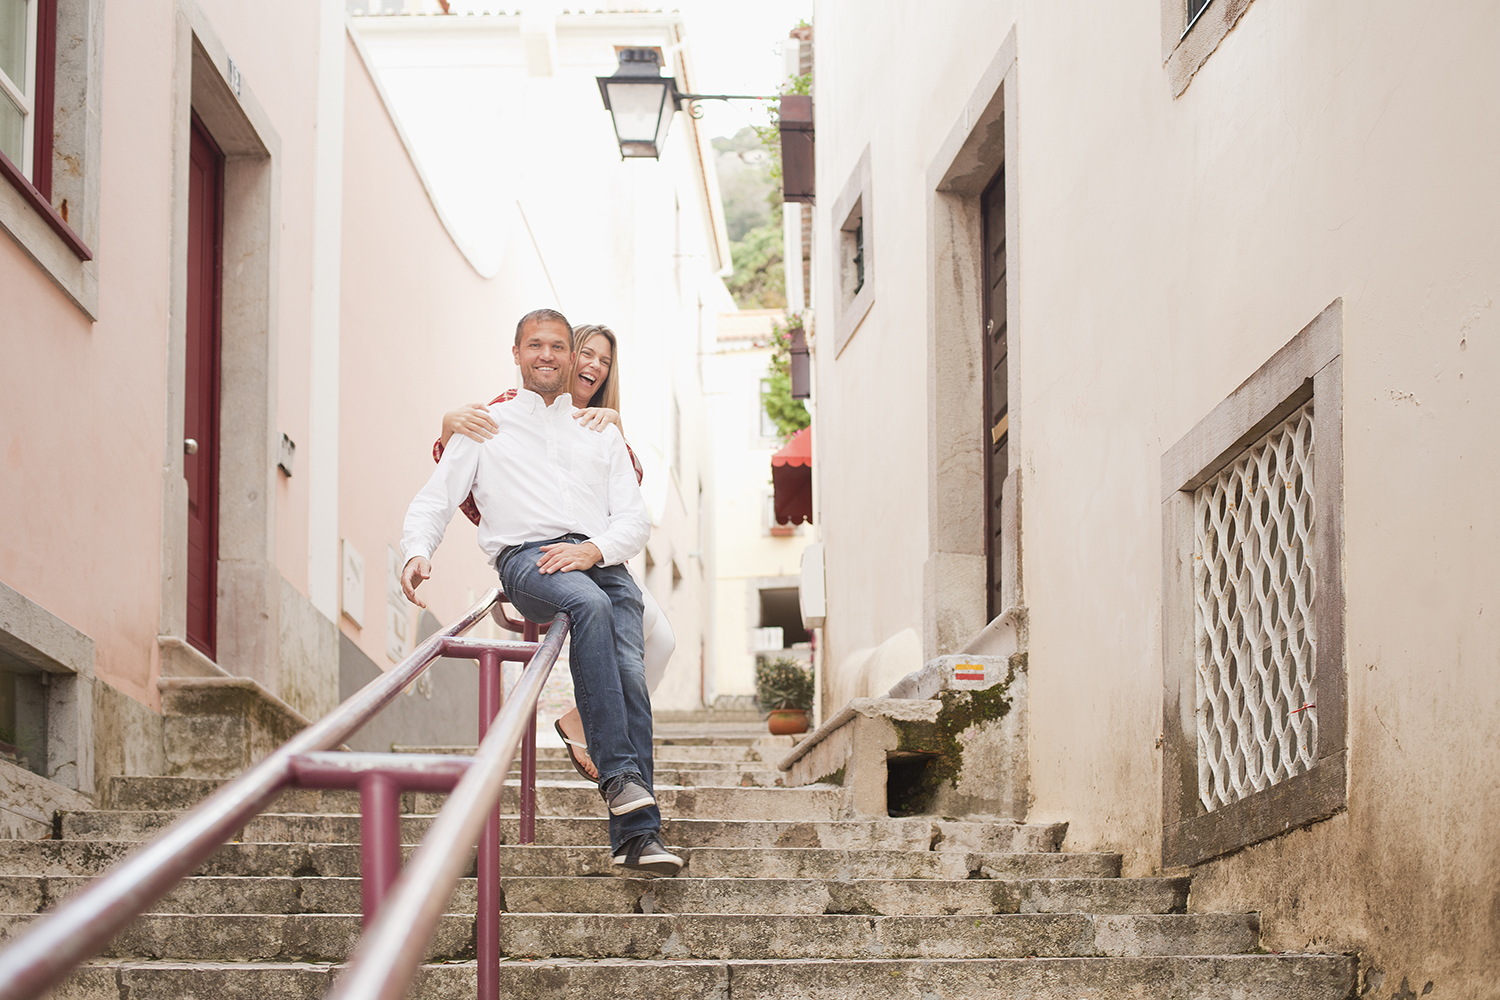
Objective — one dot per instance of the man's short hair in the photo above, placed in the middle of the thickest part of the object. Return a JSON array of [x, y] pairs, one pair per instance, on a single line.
[[543, 316]]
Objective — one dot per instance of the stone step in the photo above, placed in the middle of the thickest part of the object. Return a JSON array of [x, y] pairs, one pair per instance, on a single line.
[[1243, 977], [166, 793], [559, 793], [558, 799], [319, 937], [826, 936], [867, 897], [63, 858], [764, 742], [716, 753], [910, 834], [222, 895], [256, 937], [586, 895]]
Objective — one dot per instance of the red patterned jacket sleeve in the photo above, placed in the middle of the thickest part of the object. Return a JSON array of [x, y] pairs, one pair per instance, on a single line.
[[635, 464], [469, 507]]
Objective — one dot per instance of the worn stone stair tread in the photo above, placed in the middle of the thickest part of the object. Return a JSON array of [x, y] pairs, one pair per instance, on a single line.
[[166, 794], [64, 858], [331, 937], [1242, 977], [913, 833], [554, 798], [858, 936], [676, 750], [870, 897], [248, 937], [591, 894], [229, 895]]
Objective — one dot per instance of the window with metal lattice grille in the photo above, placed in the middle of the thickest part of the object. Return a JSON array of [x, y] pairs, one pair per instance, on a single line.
[[1254, 680], [1254, 625]]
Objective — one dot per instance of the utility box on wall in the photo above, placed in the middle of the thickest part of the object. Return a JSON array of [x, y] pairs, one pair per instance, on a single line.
[[812, 594]]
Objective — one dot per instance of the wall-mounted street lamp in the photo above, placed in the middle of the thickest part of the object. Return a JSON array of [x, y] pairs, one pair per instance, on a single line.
[[641, 102]]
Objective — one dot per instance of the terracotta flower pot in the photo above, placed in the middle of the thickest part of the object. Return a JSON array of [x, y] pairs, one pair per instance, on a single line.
[[788, 721]]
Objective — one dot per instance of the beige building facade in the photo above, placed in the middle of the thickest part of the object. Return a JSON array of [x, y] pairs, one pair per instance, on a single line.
[[1157, 349], [759, 562]]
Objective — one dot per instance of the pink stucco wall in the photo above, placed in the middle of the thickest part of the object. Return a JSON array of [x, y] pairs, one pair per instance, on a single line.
[[83, 405], [83, 411], [422, 333]]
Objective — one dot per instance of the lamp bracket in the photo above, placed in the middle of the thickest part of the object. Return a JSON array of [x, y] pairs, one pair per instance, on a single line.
[[692, 100]]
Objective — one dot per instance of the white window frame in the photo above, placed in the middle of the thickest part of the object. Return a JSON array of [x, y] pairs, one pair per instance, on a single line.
[[1186, 43], [23, 93], [57, 237], [852, 213]]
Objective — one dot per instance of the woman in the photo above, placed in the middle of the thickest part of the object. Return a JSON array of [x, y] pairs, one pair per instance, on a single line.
[[596, 393]]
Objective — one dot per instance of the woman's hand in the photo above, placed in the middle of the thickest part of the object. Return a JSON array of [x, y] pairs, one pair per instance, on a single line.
[[596, 418], [472, 421]]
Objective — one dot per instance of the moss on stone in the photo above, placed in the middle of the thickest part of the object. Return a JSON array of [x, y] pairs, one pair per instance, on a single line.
[[836, 778], [940, 741]]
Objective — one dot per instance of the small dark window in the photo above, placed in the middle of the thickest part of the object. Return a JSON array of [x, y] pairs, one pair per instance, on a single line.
[[23, 716], [859, 255], [1194, 8]]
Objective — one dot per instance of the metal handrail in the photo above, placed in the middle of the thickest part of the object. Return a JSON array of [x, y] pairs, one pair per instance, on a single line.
[[387, 956], [52, 947]]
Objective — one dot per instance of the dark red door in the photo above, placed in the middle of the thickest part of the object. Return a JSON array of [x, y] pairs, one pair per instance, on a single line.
[[201, 423]]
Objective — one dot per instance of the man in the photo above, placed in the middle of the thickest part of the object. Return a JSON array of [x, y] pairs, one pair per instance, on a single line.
[[559, 513]]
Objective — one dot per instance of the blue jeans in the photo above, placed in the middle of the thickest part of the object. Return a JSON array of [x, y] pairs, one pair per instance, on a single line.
[[606, 657]]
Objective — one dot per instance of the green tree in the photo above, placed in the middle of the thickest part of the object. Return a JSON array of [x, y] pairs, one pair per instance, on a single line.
[[759, 279]]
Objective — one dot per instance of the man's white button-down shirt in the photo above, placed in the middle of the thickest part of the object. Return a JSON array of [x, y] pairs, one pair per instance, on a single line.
[[541, 476]]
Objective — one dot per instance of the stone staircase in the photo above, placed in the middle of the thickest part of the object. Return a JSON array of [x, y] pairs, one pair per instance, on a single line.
[[780, 898]]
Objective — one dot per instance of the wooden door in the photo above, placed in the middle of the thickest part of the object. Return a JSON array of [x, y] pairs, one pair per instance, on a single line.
[[996, 391], [201, 419]]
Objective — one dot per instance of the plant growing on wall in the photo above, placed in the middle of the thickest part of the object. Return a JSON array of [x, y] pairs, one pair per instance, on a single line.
[[788, 414], [782, 683]]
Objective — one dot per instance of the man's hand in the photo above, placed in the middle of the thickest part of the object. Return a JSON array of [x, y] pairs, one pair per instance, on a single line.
[[417, 569], [563, 557]]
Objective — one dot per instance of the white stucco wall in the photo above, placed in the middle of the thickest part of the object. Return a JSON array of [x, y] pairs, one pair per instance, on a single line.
[[1166, 248]]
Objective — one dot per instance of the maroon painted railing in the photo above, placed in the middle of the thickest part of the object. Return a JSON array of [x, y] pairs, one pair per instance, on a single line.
[[397, 934]]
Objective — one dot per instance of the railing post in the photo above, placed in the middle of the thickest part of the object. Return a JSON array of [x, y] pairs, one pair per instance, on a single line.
[[487, 920], [528, 762], [379, 840]]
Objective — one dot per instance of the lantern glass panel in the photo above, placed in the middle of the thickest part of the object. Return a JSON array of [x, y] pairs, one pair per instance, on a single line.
[[637, 108]]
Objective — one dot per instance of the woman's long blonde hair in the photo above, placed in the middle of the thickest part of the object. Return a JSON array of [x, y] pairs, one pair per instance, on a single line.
[[608, 394]]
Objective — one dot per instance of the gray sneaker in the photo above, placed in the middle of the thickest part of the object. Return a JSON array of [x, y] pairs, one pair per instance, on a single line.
[[625, 793], [646, 854]]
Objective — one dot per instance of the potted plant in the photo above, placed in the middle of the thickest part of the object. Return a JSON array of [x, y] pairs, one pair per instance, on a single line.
[[784, 690]]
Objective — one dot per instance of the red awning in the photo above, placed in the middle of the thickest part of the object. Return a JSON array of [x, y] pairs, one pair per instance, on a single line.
[[791, 476]]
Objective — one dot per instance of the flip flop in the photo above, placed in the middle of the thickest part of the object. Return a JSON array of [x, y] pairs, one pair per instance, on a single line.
[[569, 744]]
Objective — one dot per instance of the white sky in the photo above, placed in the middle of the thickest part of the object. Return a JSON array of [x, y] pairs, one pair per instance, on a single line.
[[736, 49]]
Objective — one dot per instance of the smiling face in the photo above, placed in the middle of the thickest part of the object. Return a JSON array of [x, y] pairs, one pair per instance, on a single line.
[[591, 369], [544, 353]]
